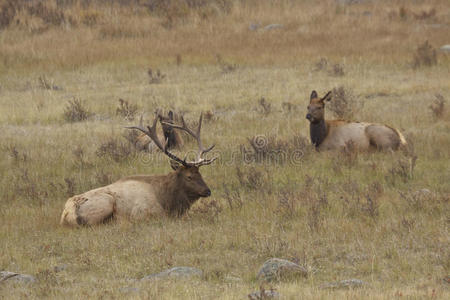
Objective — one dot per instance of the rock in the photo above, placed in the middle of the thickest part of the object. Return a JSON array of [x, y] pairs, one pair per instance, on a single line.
[[344, 284], [177, 272], [276, 269], [264, 294], [272, 26], [445, 48], [16, 277]]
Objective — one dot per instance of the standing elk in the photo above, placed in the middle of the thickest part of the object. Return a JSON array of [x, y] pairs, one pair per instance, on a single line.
[[174, 139], [336, 134], [142, 196]]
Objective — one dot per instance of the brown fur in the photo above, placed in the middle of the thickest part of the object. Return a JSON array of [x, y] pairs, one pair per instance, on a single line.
[[173, 137], [335, 134], [138, 197]]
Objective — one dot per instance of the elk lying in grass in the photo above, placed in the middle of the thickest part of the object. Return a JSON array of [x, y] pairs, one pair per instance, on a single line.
[[174, 139], [142, 196], [335, 134]]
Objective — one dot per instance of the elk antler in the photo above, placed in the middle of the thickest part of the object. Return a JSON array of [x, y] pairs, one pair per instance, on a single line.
[[201, 150], [151, 132]]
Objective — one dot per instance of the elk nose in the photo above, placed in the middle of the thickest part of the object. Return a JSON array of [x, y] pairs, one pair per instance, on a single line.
[[308, 116], [208, 193]]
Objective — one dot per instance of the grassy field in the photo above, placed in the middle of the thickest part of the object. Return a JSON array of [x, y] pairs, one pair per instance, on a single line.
[[379, 217]]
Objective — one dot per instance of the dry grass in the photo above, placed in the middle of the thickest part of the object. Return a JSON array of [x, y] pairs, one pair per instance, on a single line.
[[339, 215]]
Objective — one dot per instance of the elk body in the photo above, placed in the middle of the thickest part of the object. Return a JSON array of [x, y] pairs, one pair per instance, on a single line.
[[143, 196], [336, 134], [174, 139]]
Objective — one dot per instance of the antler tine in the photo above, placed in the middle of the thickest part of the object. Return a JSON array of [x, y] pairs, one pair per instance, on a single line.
[[199, 161], [151, 132]]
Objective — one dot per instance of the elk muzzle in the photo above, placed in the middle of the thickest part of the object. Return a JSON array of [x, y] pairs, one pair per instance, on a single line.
[[205, 193], [309, 116]]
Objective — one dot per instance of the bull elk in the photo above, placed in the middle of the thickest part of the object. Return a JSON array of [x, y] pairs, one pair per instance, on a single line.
[[143, 196], [335, 134], [174, 139]]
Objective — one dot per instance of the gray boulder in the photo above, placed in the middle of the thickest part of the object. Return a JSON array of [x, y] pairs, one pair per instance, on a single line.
[[277, 269], [176, 272], [16, 277]]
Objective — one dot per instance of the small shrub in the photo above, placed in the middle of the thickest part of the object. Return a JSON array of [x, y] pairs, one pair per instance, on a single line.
[[270, 149], [126, 110], [70, 186], [16, 155], [103, 178], [209, 210], [155, 77], [131, 136], [359, 201], [403, 168], [75, 111], [425, 14], [80, 158], [233, 197], [344, 104], [266, 107], [425, 55], [287, 203], [225, 66], [337, 70], [321, 65], [114, 149], [256, 179], [424, 200], [315, 196], [209, 116], [289, 107], [45, 84], [7, 13], [437, 107], [372, 195]]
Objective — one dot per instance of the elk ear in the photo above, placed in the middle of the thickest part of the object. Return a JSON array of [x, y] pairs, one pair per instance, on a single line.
[[175, 166], [171, 115], [327, 97], [313, 95]]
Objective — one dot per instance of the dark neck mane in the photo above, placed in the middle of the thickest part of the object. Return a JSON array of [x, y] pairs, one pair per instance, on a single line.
[[177, 200], [318, 132]]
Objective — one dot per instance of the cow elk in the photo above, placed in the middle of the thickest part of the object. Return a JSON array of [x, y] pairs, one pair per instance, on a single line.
[[337, 134], [142, 196], [174, 139]]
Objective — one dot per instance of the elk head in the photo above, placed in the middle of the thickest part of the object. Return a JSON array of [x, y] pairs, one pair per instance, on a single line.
[[187, 172], [316, 107]]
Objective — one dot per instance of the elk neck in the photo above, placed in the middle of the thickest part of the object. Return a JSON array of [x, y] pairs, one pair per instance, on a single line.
[[176, 199], [318, 132]]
